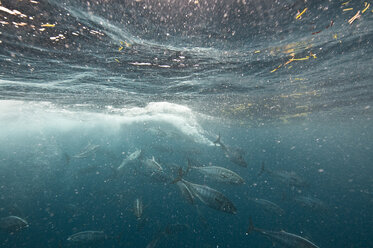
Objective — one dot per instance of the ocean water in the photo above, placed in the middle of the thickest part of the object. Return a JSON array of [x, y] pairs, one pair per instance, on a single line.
[[286, 84]]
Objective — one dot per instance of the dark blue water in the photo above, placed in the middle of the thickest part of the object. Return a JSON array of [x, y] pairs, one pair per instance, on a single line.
[[168, 77]]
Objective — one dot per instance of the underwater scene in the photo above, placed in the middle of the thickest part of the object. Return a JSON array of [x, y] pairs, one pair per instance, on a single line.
[[194, 123]]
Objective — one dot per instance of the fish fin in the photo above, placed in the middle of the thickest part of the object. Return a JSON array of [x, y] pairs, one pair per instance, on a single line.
[[190, 166], [262, 169], [251, 227], [217, 141]]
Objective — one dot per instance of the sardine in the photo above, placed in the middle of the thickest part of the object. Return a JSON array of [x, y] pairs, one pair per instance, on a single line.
[[234, 155], [87, 237], [283, 238], [12, 224]]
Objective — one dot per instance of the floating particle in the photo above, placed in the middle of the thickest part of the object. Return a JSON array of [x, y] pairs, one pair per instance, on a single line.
[[367, 7], [299, 15], [48, 25], [356, 16], [127, 44]]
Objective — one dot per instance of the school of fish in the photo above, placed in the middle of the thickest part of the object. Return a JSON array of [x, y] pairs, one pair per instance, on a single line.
[[194, 193]]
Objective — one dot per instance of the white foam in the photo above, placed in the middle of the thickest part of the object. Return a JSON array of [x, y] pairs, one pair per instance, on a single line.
[[179, 116], [20, 116]]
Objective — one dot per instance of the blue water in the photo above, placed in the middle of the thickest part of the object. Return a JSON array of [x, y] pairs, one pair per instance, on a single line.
[[168, 77]]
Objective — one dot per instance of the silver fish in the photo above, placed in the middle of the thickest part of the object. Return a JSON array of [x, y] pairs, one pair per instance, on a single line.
[[138, 208], [269, 206], [288, 177], [87, 151], [211, 197], [283, 238], [161, 176], [12, 224], [186, 192], [219, 174], [234, 155], [133, 156], [151, 168], [311, 202], [152, 164], [87, 237]]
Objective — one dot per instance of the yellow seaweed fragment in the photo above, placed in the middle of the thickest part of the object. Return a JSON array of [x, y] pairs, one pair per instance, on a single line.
[[356, 16], [48, 25], [313, 55], [300, 14], [117, 60], [294, 59], [367, 7], [127, 44], [257, 51], [120, 48], [348, 9], [276, 68], [345, 3], [300, 59]]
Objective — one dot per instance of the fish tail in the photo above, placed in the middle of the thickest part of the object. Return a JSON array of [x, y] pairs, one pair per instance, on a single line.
[[179, 177], [189, 166], [262, 169], [251, 227], [217, 141]]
